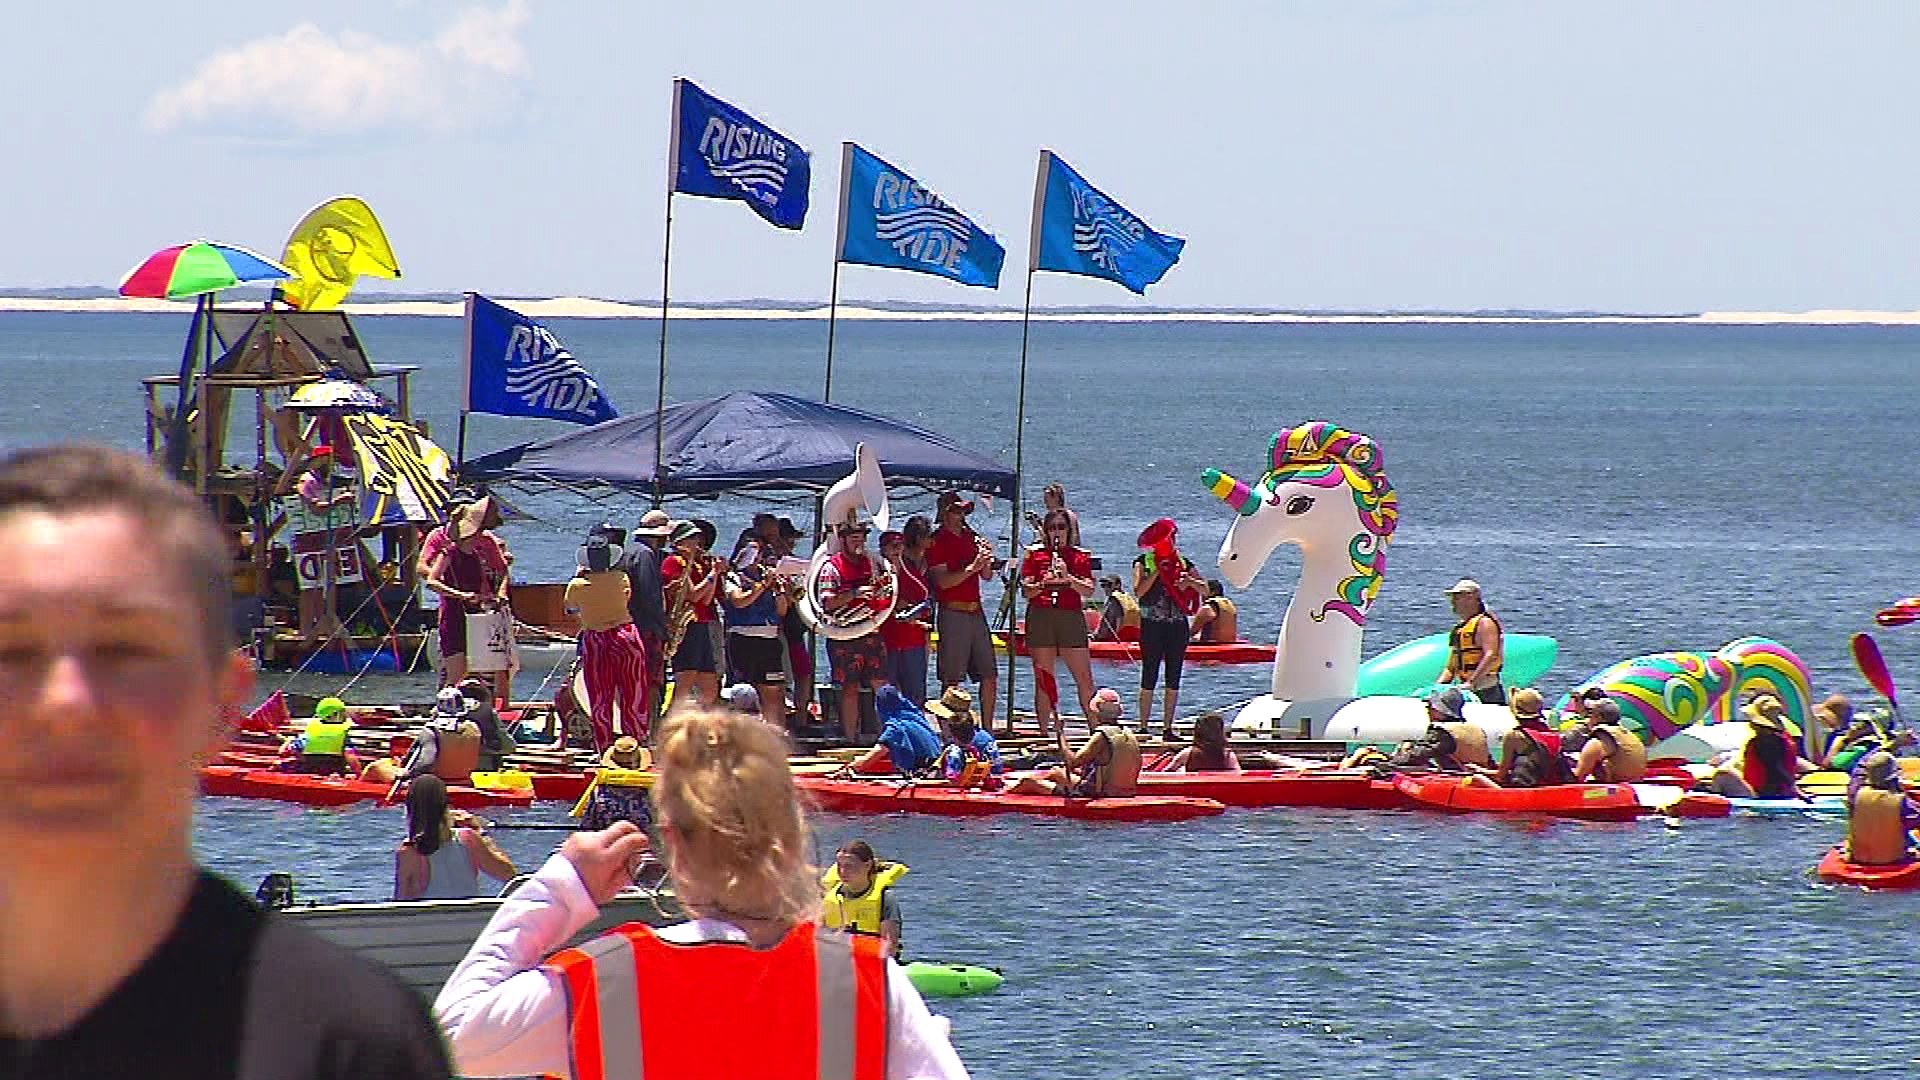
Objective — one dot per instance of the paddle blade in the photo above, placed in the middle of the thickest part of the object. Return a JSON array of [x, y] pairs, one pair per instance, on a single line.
[[1897, 616], [1866, 656]]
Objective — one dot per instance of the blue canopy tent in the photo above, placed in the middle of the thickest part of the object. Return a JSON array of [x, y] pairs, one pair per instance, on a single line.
[[742, 442]]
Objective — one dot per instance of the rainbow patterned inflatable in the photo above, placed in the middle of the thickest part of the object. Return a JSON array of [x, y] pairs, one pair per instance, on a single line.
[[1661, 693]]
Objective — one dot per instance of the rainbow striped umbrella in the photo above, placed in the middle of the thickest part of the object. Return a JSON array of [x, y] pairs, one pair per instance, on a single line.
[[197, 269]]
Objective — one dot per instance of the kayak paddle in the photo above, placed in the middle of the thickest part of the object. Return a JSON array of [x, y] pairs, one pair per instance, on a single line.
[[1866, 656]]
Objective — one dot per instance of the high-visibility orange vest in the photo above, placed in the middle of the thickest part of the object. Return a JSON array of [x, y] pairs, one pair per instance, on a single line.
[[813, 1007]]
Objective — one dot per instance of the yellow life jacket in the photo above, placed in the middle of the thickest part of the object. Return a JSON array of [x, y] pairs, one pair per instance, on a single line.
[[1129, 610], [1226, 620], [1465, 645], [1119, 776], [324, 739], [1627, 761], [1469, 743], [1875, 836], [860, 914]]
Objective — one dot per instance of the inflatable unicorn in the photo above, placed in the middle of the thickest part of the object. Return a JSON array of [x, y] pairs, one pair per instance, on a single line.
[[1326, 490]]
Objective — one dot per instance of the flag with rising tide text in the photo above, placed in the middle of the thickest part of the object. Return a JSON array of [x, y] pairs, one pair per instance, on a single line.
[[889, 219], [719, 152], [516, 367], [1077, 229]]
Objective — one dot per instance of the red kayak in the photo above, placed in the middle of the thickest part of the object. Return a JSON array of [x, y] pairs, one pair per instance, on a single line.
[[243, 782], [1339, 789], [887, 797], [1836, 868], [1458, 794]]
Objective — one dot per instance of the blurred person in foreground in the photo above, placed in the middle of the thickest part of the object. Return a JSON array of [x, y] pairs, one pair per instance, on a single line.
[[118, 955], [751, 985]]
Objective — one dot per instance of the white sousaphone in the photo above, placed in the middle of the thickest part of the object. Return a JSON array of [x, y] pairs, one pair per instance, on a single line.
[[863, 490]]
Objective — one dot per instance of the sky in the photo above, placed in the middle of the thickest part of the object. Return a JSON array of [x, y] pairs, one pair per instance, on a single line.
[[1394, 155]]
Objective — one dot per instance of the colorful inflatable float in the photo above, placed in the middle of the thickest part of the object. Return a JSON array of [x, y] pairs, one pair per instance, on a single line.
[[1662, 694]]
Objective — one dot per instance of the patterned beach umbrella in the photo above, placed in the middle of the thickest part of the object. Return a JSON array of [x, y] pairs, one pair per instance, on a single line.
[[197, 269]]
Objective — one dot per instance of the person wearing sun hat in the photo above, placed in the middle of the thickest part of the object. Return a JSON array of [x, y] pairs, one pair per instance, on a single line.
[[619, 792], [1530, 754], [646, 599], [958, 560], [971, 754], [467, 565], [1881, 819], [320, 516], [1767, 766], [613, 657]]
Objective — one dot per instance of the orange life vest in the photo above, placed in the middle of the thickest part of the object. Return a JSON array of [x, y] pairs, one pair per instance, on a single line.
[[1875, 834], [641, 1008], [1465, 645]]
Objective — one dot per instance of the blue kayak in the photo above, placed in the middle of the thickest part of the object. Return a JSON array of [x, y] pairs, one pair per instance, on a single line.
[[1818, 806]]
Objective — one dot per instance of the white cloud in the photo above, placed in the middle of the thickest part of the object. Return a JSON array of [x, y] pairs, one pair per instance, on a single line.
[[309, 81]]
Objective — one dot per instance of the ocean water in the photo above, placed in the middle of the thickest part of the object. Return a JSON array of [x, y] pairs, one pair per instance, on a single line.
[[1625, 487]]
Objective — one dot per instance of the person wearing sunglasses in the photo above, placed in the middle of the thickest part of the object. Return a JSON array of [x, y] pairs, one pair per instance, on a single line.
[[1057, 578]]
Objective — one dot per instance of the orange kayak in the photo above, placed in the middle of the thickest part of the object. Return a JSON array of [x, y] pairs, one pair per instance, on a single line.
[[1457, 794], [894, 796], [1340, 789], [1836, 868], [240, 781]]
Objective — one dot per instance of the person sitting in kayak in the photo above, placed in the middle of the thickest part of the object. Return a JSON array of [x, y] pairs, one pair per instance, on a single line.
[[1881, 818], [1209, 752], [1530, 750], [1119, 614], [1767, 767], [860, 896], [1106, 767], [321, 749], [1610, 754], [907, 744], [447, 746], [495, 741], [446, 850], [1218, 619], [616, 796], [971, 757], [1854, 735], [1449, 744]]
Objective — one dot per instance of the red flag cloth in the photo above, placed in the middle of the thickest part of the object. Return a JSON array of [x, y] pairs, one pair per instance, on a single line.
[[270, 715]]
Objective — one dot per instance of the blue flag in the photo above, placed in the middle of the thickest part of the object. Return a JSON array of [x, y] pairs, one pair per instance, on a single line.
[[1077, 229], [888, 219], [722, 153], [516, 367]]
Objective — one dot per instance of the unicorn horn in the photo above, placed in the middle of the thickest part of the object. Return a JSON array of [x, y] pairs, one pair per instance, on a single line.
[[1231, 491]]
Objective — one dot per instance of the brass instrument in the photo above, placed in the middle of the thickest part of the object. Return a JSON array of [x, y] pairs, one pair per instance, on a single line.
[[682, 612], [865, 488]]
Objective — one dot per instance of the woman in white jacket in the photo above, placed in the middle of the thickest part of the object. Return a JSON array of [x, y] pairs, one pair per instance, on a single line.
[[750, 986]]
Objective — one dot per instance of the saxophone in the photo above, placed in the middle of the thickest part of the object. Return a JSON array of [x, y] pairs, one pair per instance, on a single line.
[[681, 614]]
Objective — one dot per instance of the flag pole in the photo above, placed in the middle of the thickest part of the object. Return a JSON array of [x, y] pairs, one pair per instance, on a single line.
[[839, 249], [1020, 421], [466, 403], [666, 268]]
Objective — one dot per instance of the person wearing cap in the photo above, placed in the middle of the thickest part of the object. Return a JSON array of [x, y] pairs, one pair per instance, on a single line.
[[613, 657], [970, 756], [959, 560], [646, 598], [692, 580], [618, 794], [1057, 580], [467, 565], [1767, 766], [1107, 765], [1119, 614], [319, 519], [1612, 752], [1881, 819], [1450, 743], [905, 632], [757, 600], [447, 745], [321, 747], [1474, 647], [1530, 753], [496, 742]]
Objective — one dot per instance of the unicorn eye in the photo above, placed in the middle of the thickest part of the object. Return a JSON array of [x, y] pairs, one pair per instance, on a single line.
[[1299, 504]]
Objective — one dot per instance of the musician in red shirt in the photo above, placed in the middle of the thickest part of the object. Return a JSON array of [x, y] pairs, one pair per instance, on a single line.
[[958, 560], [1057, 578]]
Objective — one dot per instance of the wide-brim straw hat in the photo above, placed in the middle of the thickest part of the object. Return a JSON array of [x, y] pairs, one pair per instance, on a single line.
[[953, 704], [626, 753], [474, 518]]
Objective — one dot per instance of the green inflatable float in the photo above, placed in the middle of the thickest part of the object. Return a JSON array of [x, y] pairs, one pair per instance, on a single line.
[[952, 980]]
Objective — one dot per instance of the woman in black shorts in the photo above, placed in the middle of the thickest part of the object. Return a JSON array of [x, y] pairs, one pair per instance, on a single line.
[[1057, 578], [1164, 607]]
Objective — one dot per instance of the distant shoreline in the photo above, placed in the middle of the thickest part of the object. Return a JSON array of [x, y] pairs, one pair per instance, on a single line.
[[576, 307]]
